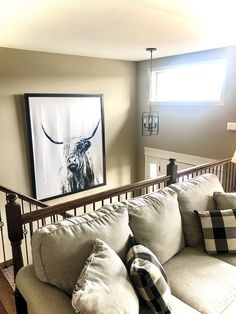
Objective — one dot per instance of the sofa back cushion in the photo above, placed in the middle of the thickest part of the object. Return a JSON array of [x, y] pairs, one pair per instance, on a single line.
[[225, 200], [156, 222], [60, 250], [196, 194]]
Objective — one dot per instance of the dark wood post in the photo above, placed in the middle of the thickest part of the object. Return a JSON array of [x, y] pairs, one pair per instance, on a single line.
[[171, 171], [229, 177], [15, 235], [234, 177], [15, 231]]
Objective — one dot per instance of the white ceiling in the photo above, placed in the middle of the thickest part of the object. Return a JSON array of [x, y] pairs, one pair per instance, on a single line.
[[117, 29]]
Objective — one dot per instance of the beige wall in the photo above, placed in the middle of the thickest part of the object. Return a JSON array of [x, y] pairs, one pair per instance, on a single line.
[[26, 71], [194, 130]]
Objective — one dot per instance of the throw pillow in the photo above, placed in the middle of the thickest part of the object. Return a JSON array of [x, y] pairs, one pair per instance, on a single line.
[[104, 285], [148, 277], [219, 230], [224, 200]]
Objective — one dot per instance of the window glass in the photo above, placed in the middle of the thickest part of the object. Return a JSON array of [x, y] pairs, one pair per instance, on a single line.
[[153, 170], [196, 82]]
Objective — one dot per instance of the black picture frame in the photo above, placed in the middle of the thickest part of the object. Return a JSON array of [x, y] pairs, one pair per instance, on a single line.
[[66, 140]]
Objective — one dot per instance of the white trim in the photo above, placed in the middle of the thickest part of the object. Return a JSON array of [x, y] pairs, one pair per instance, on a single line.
[[185, 158], [161, 158], [188, 103], [231, 126]]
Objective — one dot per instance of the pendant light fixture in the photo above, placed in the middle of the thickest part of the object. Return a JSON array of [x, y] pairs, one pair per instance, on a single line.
[[150, 120]]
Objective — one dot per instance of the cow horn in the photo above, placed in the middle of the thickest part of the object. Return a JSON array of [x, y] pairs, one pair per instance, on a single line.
[[88, 138], [55, 142]]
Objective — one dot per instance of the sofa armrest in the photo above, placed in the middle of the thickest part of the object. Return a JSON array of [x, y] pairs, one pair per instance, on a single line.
[[41, 297]]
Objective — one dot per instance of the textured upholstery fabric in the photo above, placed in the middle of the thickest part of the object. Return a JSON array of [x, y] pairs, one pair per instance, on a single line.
[[219, 230], [156, 222], [177, 307], [60, 250], [148, 277], [104, 285], [42, 298], [202, 281], [228, 258], [196, 194], [225, 257], [231, 309], [225, 200]]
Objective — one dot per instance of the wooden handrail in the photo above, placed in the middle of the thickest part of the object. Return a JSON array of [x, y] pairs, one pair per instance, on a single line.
[[66, 206], [202, 167], [63, 207], [60, 209], [23, 197]]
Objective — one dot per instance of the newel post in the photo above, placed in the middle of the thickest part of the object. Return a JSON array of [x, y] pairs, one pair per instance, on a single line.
[[15, 231], [171, 170]]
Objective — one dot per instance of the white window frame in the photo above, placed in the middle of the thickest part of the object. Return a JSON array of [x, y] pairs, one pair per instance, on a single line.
[[153, 90]]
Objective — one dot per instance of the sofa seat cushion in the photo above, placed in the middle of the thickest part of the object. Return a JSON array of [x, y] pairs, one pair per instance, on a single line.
[[202, 281], [228, 258], [104, 285], [41, 297], [196, 194], [156, 222], [60, 250], [225, 257], [44, 298], [231, 309], [225, 200], [177, 307]]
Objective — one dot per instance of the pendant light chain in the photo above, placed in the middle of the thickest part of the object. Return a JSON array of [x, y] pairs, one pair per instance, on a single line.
[[150, 80], [150, 87]]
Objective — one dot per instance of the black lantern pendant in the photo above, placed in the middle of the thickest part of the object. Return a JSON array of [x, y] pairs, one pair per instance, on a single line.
[[150, 120]]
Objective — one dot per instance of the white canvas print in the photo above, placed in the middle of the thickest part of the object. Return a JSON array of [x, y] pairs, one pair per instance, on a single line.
[[66, 139]]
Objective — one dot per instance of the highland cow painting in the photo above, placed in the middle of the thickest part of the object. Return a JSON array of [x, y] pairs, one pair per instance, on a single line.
[[66, 142]]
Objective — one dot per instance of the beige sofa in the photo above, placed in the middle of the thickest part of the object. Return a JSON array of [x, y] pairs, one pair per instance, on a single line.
[[165, 222]]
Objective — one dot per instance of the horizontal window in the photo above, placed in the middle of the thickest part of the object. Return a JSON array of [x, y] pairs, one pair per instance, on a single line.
[[191, 83]]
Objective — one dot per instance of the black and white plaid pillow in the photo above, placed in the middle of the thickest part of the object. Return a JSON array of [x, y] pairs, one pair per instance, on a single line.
[[219, 230], [148, 277]]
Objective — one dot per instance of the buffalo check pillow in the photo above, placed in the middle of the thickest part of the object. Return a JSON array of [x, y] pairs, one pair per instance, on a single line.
[[148, 277], [219, 230]]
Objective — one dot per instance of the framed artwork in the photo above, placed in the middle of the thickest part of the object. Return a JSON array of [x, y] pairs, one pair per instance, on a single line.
[[66, 143]]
